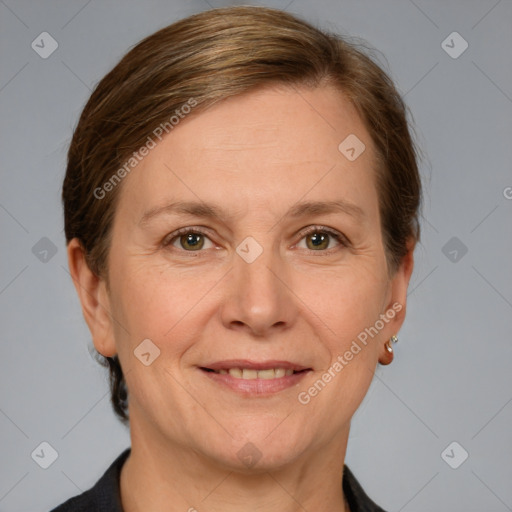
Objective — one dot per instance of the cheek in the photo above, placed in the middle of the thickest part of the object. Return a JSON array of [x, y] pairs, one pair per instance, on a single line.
[[155, 302], [343, 306], [345, 301]]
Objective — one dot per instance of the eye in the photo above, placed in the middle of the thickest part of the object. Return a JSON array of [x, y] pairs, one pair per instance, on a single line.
[[318, 238], [188, 239]]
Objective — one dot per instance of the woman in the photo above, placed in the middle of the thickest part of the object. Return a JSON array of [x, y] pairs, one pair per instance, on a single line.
[[241, 204]]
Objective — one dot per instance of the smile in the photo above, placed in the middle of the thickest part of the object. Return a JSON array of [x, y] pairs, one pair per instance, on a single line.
[[255, 378], [249, 374]]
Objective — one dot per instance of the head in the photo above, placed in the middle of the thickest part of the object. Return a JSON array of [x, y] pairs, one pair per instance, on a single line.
[[249, 113]]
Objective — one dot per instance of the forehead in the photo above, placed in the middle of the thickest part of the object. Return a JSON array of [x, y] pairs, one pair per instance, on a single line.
[[289, 124], [260, 149]]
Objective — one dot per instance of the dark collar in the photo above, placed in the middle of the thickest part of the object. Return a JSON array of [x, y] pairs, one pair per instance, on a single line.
[[357, 499], [105, 496]]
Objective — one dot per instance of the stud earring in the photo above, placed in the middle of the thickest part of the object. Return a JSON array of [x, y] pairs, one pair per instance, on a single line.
[[393, 339]]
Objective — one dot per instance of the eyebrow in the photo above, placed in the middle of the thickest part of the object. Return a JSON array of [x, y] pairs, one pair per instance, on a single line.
[[206, 210]]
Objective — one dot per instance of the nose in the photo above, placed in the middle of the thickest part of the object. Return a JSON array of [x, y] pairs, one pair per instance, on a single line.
[[258, 299]]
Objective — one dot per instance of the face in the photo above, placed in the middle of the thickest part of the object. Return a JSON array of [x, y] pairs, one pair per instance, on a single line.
[[248, 248]]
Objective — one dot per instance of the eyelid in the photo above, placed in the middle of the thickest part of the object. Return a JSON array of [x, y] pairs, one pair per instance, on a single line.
[[339, 237]]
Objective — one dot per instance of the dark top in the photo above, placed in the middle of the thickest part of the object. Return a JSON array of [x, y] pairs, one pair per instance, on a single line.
[[105, 496]]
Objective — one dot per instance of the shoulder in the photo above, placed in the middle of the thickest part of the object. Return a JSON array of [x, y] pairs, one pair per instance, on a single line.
[[357, 499], [104, 496]]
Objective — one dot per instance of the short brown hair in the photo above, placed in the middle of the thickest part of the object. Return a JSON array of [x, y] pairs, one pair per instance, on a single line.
[[208, 57]]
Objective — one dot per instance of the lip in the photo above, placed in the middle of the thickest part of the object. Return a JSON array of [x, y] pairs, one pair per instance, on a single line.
[[254, 387]]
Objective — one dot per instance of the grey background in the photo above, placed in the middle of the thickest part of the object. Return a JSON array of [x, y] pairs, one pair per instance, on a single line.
[[451, 378]]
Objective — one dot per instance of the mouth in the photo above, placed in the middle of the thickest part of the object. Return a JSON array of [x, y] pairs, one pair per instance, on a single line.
[[255, 378], [251, 374]]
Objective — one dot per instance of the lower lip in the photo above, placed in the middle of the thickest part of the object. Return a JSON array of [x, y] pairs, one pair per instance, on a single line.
[[258, 387]]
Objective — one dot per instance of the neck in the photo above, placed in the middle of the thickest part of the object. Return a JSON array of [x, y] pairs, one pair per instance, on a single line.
[[160, 477]]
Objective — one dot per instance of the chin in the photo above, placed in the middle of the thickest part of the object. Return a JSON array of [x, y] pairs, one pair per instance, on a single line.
[[259, 450]]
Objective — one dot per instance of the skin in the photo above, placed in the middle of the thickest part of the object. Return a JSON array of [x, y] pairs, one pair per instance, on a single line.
[[255, 156]]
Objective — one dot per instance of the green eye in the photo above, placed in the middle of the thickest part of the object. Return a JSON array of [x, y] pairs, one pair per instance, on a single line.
[[189, 240], [319, 239], [192, 241]]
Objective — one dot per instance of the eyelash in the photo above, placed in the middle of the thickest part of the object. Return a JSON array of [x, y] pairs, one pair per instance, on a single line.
[[340, 238]]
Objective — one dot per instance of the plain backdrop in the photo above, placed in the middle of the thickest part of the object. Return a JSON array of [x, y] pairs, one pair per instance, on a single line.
[[451, 379]]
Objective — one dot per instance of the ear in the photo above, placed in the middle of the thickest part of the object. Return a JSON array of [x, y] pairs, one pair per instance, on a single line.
[[397, 301], [92, 292]]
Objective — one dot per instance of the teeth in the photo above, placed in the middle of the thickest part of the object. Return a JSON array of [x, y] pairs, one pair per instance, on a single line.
[[249, 374], [265, 374]]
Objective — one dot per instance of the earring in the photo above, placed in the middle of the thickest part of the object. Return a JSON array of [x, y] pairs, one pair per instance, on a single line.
[[393, 339]]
